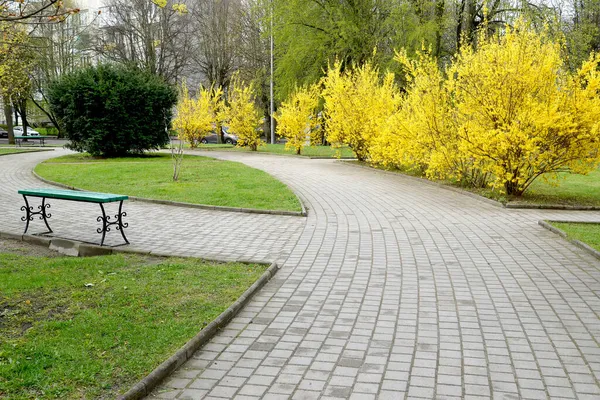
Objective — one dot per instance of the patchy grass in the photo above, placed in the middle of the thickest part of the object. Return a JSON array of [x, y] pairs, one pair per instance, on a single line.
[[572, 189], [73, 328], [584, 232], [203, 180], [308, 151]]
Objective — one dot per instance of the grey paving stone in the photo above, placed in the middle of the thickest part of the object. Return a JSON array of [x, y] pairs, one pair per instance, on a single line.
[[387, 280]]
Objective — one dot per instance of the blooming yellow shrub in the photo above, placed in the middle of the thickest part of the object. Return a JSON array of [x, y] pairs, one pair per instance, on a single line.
[[297, 118], [357, 106], [243, 116], [520, 113], [501, 115], [195, 118]]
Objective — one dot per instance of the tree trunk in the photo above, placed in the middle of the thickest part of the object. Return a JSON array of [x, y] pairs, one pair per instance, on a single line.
[[440, 7], [22, 107], [9, 121], [50, 117], [512, 188]]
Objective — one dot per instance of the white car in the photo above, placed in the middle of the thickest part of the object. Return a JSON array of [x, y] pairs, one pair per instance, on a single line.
[[18, 130]]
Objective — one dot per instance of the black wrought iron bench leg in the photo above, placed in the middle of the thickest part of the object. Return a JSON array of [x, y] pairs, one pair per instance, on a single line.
[[29, 214], [106, 223]]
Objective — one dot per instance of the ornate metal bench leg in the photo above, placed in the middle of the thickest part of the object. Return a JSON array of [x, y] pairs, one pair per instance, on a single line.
[[29, 214], [105, 228], [44, 215], [121, 226], [28, 209], [106, 223]]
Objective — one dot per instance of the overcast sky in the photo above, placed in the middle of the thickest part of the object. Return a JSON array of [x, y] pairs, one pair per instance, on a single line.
[[89, 3]]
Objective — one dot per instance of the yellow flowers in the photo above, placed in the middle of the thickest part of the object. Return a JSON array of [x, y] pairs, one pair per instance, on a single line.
[[357, 106], [501, 115], [297, 118], [242, 116], [196, 118]]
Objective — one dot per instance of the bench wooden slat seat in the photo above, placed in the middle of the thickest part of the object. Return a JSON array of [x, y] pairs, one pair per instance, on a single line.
[[76, 195]]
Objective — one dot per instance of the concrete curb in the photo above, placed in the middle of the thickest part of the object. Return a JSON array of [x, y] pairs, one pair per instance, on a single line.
[[576, 242], [25, 151], [76, 248], [302, 213], [431, 183], [147, 384], [514, 206], [551, 207]]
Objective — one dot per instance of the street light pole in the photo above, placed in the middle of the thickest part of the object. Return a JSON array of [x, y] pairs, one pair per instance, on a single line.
[[272, 71]]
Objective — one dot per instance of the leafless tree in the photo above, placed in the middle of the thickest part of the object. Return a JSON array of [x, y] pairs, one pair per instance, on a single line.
[[140, 33], [217, 39]]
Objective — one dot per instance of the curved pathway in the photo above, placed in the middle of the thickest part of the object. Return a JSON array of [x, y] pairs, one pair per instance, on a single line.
[[391, 288]]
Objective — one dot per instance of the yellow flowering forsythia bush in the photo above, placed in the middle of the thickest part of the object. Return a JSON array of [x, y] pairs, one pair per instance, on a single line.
[[499, 116], [243, 116], [520, 113], [297, 118], [195, 118], [357, 106]]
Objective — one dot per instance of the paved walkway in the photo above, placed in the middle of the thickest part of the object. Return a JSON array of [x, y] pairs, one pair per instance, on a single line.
[[391, 288]]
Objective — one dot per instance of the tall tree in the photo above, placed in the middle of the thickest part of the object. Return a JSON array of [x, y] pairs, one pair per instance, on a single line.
[[15, 64], [217, 24], [155, 38], [60, 48], [311, 34]]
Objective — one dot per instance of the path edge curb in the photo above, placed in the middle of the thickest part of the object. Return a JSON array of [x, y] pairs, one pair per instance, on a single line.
[[428, 182], [560, 232], [25, 151], [226, 150], [145, 386], [512, 206], [302, 213]]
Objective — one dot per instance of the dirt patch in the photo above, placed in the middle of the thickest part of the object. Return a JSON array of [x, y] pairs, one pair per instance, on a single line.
[[26, 249]]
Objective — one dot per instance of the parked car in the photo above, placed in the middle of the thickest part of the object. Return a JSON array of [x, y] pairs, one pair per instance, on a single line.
[[18, 130], [3, 133], [230, 138]]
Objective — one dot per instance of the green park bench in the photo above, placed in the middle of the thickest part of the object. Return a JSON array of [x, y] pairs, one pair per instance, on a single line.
[[74, 195], [20, 139]]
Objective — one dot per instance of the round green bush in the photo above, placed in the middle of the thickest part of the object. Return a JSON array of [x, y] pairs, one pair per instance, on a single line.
[[113, 111]]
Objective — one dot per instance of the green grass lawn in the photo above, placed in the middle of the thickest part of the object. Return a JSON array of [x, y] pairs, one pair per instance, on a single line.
[[587, 233], [74, 328], [572, 190], [202, 180], [309, 151]]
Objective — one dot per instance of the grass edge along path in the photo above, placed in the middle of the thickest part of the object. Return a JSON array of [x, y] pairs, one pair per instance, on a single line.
[[203, 180], [5, 151], [572, 191], [343, 152], [92, 327], [585, 232]]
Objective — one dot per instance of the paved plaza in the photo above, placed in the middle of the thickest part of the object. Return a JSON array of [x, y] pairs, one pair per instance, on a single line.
[[391, 288]]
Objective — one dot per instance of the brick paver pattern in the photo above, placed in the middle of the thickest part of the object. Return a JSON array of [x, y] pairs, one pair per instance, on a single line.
[[390, 289]]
